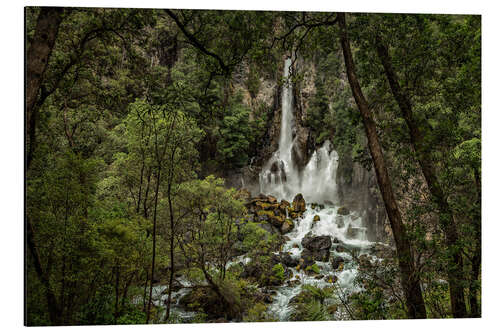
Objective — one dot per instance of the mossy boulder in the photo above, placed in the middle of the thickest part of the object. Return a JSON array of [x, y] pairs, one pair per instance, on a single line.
[[299, 204], [316, 218], [287, 226]]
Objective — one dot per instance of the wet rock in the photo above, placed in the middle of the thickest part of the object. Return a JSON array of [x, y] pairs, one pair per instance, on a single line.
[[314, 205], [243, 194], [311, 256], [284, 206], [287, 260], [272, 199], [336, 261], [287, 226], [340, 249], [316, 218], [314, 243], [299, 204], [319, 277], [331, 278], [293, 283], [343, 211]]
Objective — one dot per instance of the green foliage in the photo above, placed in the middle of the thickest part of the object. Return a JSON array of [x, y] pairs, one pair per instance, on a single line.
[[234, 142], [279, 272]]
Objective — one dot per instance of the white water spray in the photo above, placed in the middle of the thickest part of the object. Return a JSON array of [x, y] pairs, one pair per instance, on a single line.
[[281, 177]]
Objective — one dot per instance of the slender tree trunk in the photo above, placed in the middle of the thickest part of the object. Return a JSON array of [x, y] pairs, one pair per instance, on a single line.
[[171, 277], [117, 291], [52, 303], [475, 308], [154, 246], [144, 297], [409, 277], [455, 267], [38, 55]]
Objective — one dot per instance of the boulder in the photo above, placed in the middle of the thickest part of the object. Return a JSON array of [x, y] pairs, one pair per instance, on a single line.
[[336, 261], [243, 194], [287, 260], [299, 204], [316, 218], [331, 278], [287, 226], [284, 206], [343, 211], [315, 243]]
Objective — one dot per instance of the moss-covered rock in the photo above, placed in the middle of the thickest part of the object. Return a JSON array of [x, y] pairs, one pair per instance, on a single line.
[[316, 218], [287, 226], [299, 204]]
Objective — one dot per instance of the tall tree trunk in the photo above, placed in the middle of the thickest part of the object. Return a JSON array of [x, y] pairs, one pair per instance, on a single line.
[[455, 267], [47, 27], [148, 314], [409, 277]]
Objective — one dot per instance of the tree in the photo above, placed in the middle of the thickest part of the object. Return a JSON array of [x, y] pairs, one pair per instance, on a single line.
[[170, 150], [209, 232], [411, 284]]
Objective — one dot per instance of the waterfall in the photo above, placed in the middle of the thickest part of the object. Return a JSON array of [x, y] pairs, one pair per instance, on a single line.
[[281, 177]]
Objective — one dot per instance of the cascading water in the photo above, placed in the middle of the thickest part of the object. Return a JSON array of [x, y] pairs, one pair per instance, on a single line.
[[280, 176], [317, 183]]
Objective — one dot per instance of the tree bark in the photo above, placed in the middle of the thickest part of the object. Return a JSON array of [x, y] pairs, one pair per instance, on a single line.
[[154, 247], [52, 303], [447, 223], [409, 277], [38, 55]]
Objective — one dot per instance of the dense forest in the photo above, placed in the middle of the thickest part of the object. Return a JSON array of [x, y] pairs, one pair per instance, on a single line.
[[189, 166]]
